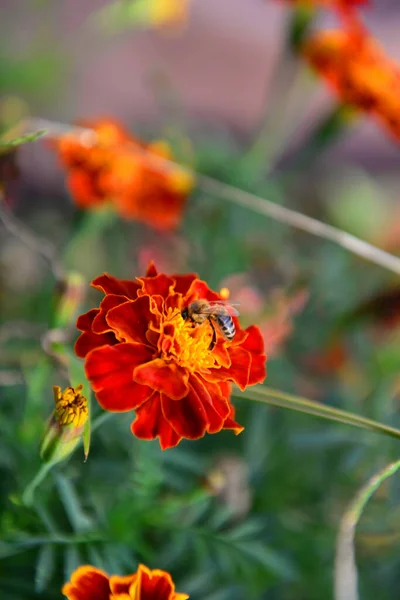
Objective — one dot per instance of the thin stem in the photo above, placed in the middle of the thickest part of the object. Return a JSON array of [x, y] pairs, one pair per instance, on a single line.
[[346, 583], [274, 397], [29, 492], [31, 240]]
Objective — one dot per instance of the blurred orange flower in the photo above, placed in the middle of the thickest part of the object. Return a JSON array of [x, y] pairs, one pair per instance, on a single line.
[[358, 70], [113, 167], [89, 583], [142, 355]]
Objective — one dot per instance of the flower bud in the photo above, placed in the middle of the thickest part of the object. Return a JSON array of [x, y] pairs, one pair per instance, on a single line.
[[66, 424]]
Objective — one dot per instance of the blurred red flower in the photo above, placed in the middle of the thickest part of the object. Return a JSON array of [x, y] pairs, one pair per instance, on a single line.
[[89, 583], [358, 70], [114, 167], [142, 355]]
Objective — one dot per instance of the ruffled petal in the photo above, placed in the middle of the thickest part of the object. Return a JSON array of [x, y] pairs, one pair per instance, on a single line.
[[153, 585], [85, 321], [121, 585], [132, 319], [183, 282], [254, 344], [150, 423], [199, 289], [214, 403], [151, 270], [111, 285], [169, 378], [110, 372], [87, 583], [110, 301], [187, 416], [159, 284], [237, 372], [230, 422], [88, 341]]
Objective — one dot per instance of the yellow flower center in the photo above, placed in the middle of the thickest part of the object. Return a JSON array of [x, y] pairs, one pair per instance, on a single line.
[[71, 406], [190, 344]]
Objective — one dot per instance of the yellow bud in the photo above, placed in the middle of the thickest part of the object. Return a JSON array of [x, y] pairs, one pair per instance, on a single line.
[[66, 424], [71, 406]]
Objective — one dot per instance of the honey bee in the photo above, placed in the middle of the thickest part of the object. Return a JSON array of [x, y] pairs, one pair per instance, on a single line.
[[215, 311]]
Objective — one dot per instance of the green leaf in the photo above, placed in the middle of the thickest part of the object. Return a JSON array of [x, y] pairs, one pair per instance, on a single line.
[[79, 520], [44, 567]]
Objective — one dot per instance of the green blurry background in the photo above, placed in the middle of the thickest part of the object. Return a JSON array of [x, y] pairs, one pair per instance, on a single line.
[[254, 516]]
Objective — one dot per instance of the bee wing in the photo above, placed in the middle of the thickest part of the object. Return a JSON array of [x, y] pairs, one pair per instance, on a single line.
[[230, 307]]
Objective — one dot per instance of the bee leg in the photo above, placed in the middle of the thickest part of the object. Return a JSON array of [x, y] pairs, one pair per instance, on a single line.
[[214, 336]]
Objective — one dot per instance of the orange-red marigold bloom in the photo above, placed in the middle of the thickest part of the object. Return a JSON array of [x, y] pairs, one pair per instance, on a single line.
[[358, 70], [140, 354], [89, 583], [112, 166]]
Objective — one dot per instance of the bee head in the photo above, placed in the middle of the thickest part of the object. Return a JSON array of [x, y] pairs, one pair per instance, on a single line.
[[185, 313]]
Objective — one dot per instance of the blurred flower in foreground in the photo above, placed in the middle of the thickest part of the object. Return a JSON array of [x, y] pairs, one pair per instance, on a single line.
[[114, 167], [142, 355], [358, 70], [89, 583], [66, 424]]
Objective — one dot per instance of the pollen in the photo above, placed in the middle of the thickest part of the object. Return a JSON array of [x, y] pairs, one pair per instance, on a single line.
[[71, 406], [186, 344]]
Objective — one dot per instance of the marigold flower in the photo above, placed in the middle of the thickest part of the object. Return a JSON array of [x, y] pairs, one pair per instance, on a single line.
[[114, 167], [140, 354], [89, 583], [66, 424], [358, 70]]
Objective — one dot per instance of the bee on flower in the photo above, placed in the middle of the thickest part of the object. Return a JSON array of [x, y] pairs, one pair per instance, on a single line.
[[144, 351]]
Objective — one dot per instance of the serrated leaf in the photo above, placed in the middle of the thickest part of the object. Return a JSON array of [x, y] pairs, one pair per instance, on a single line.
[[44, 567], [72, 560]]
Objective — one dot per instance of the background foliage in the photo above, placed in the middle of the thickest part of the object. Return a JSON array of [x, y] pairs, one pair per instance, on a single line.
[[269, 531]]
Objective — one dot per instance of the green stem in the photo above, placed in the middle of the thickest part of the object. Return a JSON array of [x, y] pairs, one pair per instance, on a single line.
[[345, 565], [29, 492], [274, 397]]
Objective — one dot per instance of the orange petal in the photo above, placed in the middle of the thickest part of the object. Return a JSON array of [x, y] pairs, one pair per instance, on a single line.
[[110, 301], [88, 341], [215, 405], [121, 585], [87, 583], [169, 378]]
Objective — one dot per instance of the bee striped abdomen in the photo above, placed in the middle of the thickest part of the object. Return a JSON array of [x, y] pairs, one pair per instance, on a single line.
[[226, 326]]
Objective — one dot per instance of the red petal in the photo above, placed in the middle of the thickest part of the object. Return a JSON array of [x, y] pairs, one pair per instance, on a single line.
[[183, 282], [121, 585], [87, 583], [154, 585], [159, 284], [100, 324], [88, 341], [199, 289], [230, 423], [169, 378], [84, 322], [254, 341], [214, 403], [110, 371], [131, 319], [111, 285], [187, 416], [151, 270], [151, 423], [239, 369]]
